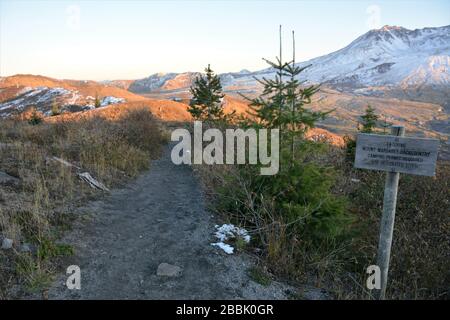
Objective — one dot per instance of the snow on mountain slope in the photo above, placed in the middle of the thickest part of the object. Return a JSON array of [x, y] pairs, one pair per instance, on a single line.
[[21, 92], [435, 70], [389, 56], [151, 83], [42, 98], [386, 56], [180, 81]]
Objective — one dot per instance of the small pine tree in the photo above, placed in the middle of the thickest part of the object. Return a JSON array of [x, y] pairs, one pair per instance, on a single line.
[[301, 192], [385, 124], [97, 103], [283, 101], [35, 118], [55, 108], [369, 120], [207, 95]]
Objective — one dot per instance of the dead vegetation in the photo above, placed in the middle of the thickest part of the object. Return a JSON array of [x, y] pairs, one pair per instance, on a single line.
[[419, 267], [37, 202], [420, 253]]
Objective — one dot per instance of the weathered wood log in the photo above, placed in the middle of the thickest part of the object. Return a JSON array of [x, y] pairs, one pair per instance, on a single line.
[[86, 176], [64, 162]]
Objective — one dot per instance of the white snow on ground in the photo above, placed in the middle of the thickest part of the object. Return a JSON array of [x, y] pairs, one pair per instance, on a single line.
[[50, 94], [229, 231], [24, 90], [45, 96], [225, 247], [111, 100], [75, 97]]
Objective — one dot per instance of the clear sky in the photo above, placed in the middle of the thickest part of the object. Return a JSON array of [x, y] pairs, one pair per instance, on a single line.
[[132, 39]]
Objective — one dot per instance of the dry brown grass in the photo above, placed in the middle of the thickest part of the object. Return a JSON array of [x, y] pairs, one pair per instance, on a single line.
[[38, 208], [420, 253], [420, 267], [162, 109]]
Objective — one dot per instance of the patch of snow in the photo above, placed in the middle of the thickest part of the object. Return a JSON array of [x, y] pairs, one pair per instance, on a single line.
[[230, 231], [24, 90], [226, 232], [111, 100], [75, 97], [225, 247], [50, 94]]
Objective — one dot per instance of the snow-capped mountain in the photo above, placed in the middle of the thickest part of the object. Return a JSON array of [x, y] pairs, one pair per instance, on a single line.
[[389, 56], [163, 81], [179, 81]]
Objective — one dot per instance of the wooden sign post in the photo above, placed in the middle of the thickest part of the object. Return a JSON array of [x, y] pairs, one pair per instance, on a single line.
[[393, 153]]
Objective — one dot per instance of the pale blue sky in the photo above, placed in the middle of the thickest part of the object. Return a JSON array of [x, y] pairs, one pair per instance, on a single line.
[[132, 39]]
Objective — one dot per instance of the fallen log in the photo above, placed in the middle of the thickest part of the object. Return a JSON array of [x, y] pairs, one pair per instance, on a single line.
[[84, 176], [64, 162]]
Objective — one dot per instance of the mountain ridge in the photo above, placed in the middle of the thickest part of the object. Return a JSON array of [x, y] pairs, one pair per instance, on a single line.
[[389, 56]]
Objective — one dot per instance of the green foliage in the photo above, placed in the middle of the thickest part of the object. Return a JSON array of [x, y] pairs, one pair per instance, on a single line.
[[206, 102], [385, 124], [283, 103], [258, 275], [48, 249], [350, 148], [301, 195], [301, 191], [296, 214], [32, 271], [36, 118], [369, 120], [97, 103], [369, 125], [55, 108]]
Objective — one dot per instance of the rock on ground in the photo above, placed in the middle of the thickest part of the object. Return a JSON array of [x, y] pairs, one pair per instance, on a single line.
[[6, 179], [7, 243], [168, 270]]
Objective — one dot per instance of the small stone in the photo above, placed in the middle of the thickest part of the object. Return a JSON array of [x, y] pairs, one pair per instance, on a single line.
[[168, 270], [6, 179], [7, 243], [25, 248]]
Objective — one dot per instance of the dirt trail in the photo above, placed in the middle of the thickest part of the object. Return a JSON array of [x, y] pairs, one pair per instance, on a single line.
[[160, 217]]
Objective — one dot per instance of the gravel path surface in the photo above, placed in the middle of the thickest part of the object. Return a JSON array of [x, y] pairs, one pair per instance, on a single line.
[[159, 218]]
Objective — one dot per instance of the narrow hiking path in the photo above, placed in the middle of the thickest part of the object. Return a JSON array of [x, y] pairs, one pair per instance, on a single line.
[[159, 218]]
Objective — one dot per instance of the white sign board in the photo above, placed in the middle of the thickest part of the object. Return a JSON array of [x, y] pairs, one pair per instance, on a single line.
[[396, 154]]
